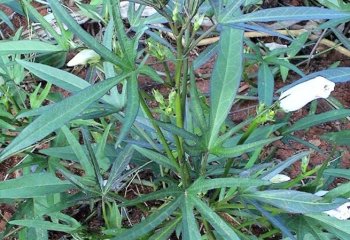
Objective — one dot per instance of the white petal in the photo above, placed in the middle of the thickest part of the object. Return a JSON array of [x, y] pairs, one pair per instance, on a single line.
[[83, 58], [272, 46], [342, 212], [298, 96], [321, 193], [279, 178]]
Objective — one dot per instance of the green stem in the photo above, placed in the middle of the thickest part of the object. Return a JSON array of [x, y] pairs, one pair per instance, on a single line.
[[105, 215], [208, 230], [12, 100], [204, 164], [167, 74], [158, 130]]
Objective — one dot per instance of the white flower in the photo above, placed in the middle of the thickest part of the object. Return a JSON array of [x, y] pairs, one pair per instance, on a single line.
[[272, 46], [279, 178], [84, 57], [341, 213], [298, 96]]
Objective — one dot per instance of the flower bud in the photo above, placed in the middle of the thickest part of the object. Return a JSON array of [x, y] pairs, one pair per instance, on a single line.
[[279, 178], [83, 57], [299, 95]]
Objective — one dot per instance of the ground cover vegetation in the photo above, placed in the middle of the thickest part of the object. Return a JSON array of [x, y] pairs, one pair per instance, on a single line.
[[81, 139]]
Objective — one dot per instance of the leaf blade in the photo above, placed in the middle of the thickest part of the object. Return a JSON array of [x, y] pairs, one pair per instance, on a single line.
[[225, 79], [59, 114]]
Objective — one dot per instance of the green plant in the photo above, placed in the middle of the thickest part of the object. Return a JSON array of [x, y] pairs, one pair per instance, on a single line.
[[210, 175]]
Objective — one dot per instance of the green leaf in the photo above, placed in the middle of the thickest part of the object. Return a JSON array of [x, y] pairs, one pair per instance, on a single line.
[[60, 78], [158, 158], [178, 131], [341, 173], [5, 19], [119, 165], [190, 229], [205, 55], [222, 228], [46, 25], [6, 125], [33, 185], [240, 149], [58, 115], [283, 165], [165, 232], [89, 40], [158, 195], [196, 106], [333, 225], [293, 201], [101, 148], [27, 46], [225, 79], [151, 222], [150, 72], [307, 229], [132, 107], [265, 84], [316, 119], [203, 185], [44, 225], [338, 138], [79, 151], [126, 44], [288, 13]]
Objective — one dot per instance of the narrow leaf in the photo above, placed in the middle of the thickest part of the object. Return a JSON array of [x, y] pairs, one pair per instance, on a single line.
[[33, 185], [316, 119], [203, 185], [225, 78], [222, 228], [293, 201], [89, 40], [44, 225], [240, 149], [132, 107], [79, 151], [27, 46], [265, 84], [190, 229], [150, 223], [60, 78], [59, 114], [288, 13], [158, 158]]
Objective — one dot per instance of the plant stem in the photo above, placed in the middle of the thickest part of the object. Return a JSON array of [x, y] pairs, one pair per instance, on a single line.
[[105, 215], [167, 74], [158, 130], [208, 230]]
